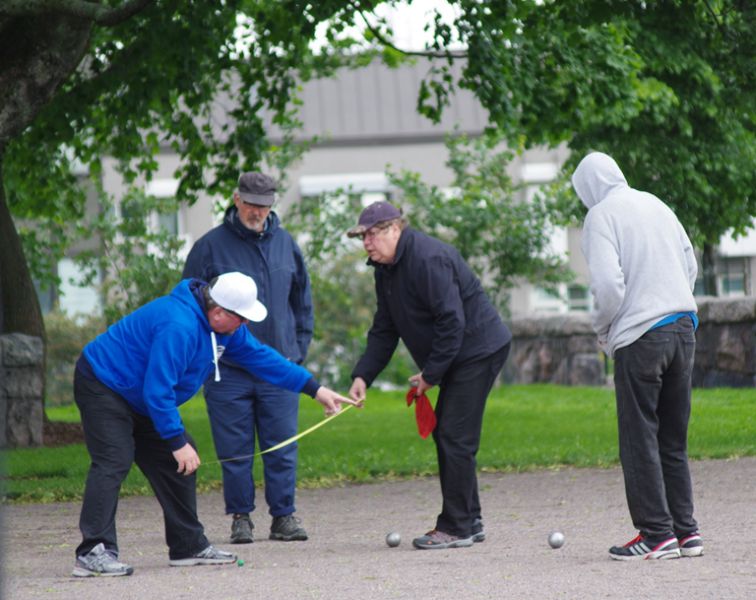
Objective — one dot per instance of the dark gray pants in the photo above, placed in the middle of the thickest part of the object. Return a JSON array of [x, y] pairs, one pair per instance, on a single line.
[[117, 437], [652, 378]]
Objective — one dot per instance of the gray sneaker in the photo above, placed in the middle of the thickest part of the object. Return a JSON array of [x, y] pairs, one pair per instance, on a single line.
[[288, 529], [99, 562], [478, 533], [241, 529], [440, 540], [208, 556]]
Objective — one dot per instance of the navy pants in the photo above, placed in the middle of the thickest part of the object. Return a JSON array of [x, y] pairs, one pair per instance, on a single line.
[[242, 407], [117, 437], [652, 379], [459, 419]]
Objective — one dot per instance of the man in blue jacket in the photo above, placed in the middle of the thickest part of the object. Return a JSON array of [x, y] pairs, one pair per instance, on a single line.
[[128, 385], [242, 405], [428, 296]]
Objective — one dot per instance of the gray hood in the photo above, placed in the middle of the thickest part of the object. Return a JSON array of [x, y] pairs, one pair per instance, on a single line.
[[596, 176]]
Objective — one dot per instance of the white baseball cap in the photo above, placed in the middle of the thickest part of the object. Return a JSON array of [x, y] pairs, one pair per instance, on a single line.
[[237, 293]]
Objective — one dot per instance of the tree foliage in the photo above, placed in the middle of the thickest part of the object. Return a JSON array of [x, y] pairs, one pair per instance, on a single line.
[[666, 87], [503, 236]]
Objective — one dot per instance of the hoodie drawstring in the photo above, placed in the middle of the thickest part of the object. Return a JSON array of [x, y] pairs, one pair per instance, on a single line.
[[214, 343]]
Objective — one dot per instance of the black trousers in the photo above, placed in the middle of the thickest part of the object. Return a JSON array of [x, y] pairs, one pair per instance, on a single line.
[[459, 419], [116, 437], [652, 379]]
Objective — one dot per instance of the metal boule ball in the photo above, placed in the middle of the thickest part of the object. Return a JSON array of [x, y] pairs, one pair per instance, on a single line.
[[556, 539], [393, 539]]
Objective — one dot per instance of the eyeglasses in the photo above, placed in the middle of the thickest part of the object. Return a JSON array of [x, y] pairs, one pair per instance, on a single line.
[[374, 231]]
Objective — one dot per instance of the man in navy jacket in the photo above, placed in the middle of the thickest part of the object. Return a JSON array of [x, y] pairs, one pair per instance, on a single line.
[[242, 405], [428, 296]]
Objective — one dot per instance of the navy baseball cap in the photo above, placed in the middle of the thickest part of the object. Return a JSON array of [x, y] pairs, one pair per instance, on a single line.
[[376, 213]]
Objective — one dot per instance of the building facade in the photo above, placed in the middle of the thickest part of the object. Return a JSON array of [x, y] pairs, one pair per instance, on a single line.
[[365, 122]]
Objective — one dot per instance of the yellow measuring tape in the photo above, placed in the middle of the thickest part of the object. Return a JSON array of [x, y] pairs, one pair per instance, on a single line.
[[291, 440]]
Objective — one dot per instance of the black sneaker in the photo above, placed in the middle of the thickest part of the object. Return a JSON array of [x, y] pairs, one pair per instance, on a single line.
[[241, 529], [691, 544], [208, 556], [478, 534], [640, 548], [99, 562], [288, 529]]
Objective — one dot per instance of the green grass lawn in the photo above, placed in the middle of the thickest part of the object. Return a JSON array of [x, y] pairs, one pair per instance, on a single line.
[[525, 427]]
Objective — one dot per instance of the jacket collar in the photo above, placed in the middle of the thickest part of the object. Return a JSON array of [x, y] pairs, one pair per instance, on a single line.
[[231, 220]]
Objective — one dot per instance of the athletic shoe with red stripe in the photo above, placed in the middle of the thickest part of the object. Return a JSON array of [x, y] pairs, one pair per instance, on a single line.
[[691, 544], [640, 548]]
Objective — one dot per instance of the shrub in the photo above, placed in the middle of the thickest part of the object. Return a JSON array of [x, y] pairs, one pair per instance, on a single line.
[[66, 336]]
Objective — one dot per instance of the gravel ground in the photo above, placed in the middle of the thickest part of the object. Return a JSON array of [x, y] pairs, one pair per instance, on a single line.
[[346, 556]]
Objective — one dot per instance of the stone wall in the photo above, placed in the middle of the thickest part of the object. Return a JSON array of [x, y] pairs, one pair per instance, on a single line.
[[562, 349], [726, 343], [21, 384], [557, 349]]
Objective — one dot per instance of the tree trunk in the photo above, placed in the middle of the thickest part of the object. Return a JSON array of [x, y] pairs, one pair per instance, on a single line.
[[709, 270], [39, 53], [19, 305]]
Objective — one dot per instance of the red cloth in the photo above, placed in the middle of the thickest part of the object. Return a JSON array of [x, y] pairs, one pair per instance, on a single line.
[[424, 414]]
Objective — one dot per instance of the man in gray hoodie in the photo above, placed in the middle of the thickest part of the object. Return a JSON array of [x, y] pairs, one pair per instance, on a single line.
[[642, 270]]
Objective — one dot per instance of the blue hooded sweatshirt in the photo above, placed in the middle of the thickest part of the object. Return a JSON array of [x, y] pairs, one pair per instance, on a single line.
[[158, 357]]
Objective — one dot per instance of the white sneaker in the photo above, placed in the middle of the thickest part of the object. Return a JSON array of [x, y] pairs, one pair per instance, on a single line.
[[99, 562], [208, 556]]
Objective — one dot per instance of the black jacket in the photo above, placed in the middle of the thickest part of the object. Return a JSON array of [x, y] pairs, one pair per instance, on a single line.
[[430, 299]]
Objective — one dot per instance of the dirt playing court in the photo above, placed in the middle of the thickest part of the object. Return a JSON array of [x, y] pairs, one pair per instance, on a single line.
[[347, 558]]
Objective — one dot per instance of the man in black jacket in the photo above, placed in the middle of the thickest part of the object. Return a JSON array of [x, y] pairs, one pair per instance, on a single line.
[[428, 296]]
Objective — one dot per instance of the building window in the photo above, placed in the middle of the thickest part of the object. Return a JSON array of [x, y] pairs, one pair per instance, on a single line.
[[731, 279], [366, 184], [170, 220], [76, 299], [578, 298], [548, 301]]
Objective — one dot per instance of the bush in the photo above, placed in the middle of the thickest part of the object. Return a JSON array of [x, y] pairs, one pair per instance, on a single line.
[[66, 337]]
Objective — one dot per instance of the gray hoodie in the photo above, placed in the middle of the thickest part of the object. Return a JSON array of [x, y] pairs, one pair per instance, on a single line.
[[641, 262]]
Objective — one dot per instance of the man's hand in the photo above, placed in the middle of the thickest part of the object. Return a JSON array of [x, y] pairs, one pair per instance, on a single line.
[[418, 382], [358, 391], [187, 458], [332, 401]]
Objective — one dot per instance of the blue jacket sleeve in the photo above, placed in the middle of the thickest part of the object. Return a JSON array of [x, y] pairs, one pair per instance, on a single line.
[[265, 362], [168, 359]]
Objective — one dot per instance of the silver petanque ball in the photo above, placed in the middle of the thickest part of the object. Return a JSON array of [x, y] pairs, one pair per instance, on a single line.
[[393, 539], [556, 539]]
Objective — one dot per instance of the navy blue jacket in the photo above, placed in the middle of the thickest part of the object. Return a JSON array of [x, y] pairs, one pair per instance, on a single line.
[[430, 299], [273, 259]]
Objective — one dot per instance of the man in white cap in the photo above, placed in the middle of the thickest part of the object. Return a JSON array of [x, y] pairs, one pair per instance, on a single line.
[[128, 384]]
